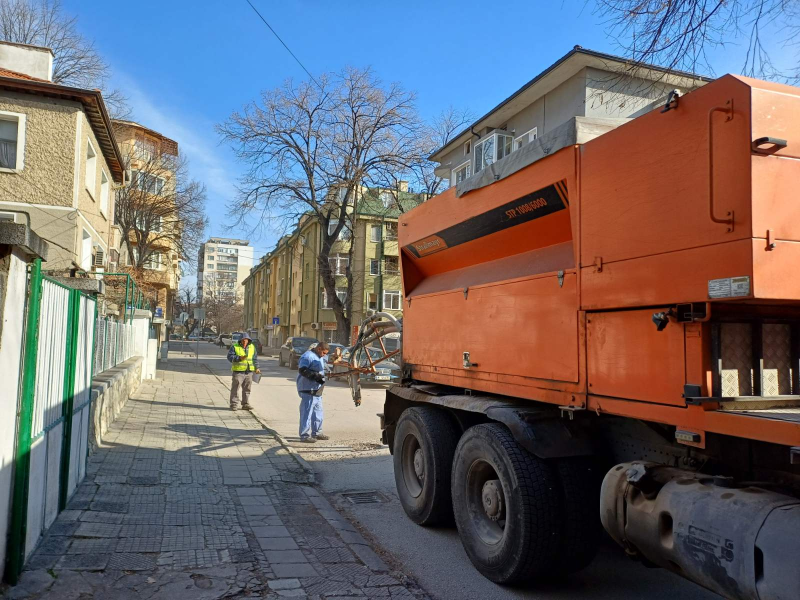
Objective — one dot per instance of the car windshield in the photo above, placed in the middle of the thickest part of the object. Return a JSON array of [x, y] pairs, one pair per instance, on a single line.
[[236, 337], [303, 342]]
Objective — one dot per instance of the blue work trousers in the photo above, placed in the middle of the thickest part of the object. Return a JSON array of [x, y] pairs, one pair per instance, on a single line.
[[310, 415]]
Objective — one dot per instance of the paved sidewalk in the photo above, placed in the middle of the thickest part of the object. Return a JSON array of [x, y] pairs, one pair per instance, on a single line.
[[188, 499]]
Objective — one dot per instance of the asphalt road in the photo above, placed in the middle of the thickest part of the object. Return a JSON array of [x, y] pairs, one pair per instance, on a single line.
[[355, 460]]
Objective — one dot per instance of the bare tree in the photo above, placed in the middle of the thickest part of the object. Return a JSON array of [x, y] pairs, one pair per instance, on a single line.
[[677, 34], [160, 210], [312, 148], [76, 61], [222, 303]]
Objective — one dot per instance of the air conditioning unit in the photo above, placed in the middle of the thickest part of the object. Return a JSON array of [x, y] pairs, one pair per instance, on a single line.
[[99, 257], [316, 326]]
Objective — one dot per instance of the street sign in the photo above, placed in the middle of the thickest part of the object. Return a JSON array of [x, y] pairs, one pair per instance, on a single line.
[[159, 312], [276, 320], [329, 326], [199, 314]]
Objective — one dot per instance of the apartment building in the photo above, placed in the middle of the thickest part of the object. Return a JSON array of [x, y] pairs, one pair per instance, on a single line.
[[285, 295], [150, 155], [580, 96], [59, 161], [222, 265]]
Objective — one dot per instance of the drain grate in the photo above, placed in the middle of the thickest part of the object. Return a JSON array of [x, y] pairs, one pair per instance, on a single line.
[[367, 497]]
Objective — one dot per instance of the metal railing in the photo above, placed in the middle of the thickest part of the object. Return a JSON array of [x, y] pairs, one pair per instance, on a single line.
[[114, 343]]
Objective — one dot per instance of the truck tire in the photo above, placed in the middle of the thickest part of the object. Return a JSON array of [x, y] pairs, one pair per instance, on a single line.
[[424, 443], [506, 505], [580, 500]]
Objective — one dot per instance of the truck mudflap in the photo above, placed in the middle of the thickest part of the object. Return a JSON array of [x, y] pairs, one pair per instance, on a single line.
[[541, 431], [740, 541]]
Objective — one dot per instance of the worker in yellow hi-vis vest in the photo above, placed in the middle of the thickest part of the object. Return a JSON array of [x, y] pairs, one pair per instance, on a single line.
[[244, 362]]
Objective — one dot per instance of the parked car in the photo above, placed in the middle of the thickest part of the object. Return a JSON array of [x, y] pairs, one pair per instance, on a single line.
[[386, 372], [293, 349], [225, 339]]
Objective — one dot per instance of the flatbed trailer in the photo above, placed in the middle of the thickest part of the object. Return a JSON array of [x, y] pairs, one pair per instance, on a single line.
[[613, 331]]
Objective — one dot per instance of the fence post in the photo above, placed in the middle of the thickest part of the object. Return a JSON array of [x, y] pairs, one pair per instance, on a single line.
[[68, 403], [19, 511]]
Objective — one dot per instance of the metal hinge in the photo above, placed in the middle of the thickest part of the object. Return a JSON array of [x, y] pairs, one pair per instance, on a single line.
[[598, 264], [560, 276], [466, 291], [770, 239]]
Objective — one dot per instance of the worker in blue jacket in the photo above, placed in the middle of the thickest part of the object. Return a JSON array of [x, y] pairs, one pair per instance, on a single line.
[[310, 383]]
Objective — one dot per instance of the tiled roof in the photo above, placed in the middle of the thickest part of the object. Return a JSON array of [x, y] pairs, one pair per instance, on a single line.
[[15, 75]]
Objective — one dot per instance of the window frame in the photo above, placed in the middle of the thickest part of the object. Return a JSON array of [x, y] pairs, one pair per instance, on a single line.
[[392, 294], [453, 173], [468, 148], [532, 130], [21, 120], [373, 229], [374, 262], [91, 166], [494, 137], [105, 186], [338, 258], [395, 268], [344, 234], [341, 293]]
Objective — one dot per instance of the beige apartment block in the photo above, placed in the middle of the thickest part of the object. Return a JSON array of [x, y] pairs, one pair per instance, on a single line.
[[148, 153], [59, 161], [284, 294]]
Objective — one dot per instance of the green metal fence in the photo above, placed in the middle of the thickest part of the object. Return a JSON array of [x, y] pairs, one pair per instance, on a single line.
[[53, 429]]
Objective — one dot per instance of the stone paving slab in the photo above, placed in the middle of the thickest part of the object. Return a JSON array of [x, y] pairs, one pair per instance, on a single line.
[[187, 499]]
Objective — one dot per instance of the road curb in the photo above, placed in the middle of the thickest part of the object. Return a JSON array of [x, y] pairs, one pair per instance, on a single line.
[[307, 469]]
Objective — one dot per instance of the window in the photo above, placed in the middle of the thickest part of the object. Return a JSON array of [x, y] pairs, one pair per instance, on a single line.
[[104, 186], [86, 251], [391, 231], [468, 148], [154, 261], [12, 140], [341, 293], [148, 183], [144, 149], [210, 267], [209, 249], [305, 274], [305, 301], [391, 265], [374, 266], [386, 199], [391, 300], [525, 138], [344, 234], [338, 264], [151, 223], [372, 302], [280, 287], [375, 233], [209, 257], [226, 267], [460, 173], [492, 149], [91, 169]]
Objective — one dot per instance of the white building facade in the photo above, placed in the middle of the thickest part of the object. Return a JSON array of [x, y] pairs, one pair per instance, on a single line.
[[222, 265]]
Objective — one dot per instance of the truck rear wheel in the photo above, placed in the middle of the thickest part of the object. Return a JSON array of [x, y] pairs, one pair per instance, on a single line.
[[506, 504], [580, 536], [424, 443]]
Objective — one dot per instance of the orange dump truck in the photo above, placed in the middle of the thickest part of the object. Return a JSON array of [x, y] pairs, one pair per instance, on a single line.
[[614, 330]]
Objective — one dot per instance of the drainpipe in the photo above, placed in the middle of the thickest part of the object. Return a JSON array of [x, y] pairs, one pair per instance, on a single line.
[[380, 267]]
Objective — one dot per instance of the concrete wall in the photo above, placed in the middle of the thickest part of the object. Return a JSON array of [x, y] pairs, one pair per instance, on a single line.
[[110, 391], [13, 279]]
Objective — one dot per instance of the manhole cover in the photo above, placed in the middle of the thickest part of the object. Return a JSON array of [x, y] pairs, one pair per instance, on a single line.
[[364, 497]]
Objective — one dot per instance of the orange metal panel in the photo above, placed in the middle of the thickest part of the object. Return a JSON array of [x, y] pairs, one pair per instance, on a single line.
[[774, 190], [776, 113], [446, 210], [527, 327], [775, 271], [628, 358], [695, 418], [664, 279], [645, 185]]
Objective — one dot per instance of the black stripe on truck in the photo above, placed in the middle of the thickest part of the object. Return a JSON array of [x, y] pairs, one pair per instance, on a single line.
[[531, 206]]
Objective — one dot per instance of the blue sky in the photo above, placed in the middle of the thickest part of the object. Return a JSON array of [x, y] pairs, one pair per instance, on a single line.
[[187, 65]]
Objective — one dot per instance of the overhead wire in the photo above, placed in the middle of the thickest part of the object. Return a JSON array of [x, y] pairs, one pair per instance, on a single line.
[[284, 45]]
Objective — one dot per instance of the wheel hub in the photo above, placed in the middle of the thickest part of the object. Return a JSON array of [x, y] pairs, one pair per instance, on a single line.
[[419, 464], [492, 497]]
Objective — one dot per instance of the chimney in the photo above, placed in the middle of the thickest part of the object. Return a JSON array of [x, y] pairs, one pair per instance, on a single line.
[[34, 61]]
